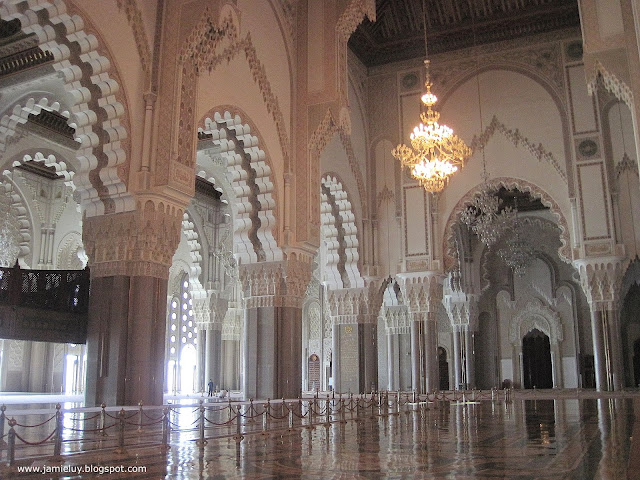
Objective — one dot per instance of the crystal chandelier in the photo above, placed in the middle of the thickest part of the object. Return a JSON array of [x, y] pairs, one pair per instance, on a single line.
[[436, 152], [9, 248], [517, 253], [486, 218]]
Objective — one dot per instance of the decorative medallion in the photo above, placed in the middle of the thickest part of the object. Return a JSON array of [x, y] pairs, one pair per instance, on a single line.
[[410, 81], [588, 148]]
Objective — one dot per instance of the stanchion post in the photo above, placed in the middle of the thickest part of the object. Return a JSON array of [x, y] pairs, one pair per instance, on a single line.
[[265, 416], [251, 411], [327, 411], [121, 423], [343, 407], [166, 426], [11, 453], [201, 441], [57, 445], [238, 435], [103, 420], [290, 416], [140, 416]]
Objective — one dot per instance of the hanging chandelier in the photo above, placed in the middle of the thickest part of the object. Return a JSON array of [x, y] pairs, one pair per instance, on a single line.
[[436, 152], [517, 253], [487, 217]]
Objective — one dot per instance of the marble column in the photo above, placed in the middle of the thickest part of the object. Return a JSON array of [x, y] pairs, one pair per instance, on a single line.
[[272, 334], [457, 359], [213, 357], [126, 340], [129, 257], [432, 372], [335, 357], [416, 355]]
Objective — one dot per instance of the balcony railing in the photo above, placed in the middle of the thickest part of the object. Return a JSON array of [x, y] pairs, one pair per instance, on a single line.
[[58, 290]]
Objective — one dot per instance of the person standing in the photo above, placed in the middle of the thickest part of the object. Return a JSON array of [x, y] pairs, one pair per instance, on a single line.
[[210, 385]]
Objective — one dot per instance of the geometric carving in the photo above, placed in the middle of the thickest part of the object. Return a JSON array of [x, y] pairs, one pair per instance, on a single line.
[[450, 258], [536, 315], [339, 233], [95, 111], [250, 175]]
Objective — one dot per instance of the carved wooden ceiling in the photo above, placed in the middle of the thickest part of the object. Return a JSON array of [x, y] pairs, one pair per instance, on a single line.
[[398, 33]]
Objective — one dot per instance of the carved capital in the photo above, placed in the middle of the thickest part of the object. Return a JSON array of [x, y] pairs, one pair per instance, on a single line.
[[600, 279], [275, 284], [462, 309], [422, 291], [138, 243]]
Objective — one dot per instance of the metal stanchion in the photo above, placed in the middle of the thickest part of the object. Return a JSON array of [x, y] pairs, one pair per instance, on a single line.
[[103, 421], [201, 441], [265, 418], [327, 411], [11, 452], [140, 421], [342, 411], [251, 409], [121, 425], [238, 436], [290, 416], [57, 445], [166, 429]]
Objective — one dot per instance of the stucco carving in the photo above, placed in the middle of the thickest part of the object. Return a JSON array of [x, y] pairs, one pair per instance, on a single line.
[[515, 136], [536, 315], [95, 96], [450, 259]]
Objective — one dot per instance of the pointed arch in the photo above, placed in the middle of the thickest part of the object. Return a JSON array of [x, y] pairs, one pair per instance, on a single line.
[[340, 234], [450, 259], [97, 114], [250, 177]]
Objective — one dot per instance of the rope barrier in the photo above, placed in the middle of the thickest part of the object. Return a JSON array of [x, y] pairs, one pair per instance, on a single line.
[[26, 442], [36, 425]]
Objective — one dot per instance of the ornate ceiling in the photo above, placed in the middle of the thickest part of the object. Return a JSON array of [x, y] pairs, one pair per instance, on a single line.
[[398, 33]]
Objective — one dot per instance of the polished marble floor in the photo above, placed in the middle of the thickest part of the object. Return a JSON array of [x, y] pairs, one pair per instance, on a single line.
[[527, 439]]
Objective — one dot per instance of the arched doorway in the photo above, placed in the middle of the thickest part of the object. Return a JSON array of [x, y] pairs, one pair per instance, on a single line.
[[443, 368], [536, 360]]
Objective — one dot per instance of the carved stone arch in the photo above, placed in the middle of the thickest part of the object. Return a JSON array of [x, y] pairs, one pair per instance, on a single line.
[[14, 201], [341, 235], [611, 82], [71, 254], [98, 115], [319, 140], [190, 232], [250, 176], [564, 252], [536, 315], [348, 21], [177, 272]]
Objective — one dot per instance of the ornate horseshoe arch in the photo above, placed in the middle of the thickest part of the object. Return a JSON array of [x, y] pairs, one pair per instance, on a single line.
[[450, 258]]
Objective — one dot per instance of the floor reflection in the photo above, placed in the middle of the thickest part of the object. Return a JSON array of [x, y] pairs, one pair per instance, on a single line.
[[532, 439]]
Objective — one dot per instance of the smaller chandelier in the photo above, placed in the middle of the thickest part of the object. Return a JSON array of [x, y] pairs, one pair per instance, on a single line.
[[436, 152], [518, 253], [486, 219]]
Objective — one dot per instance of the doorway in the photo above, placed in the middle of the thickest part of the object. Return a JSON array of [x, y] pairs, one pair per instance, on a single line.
[[443, 368], [536, 360]]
